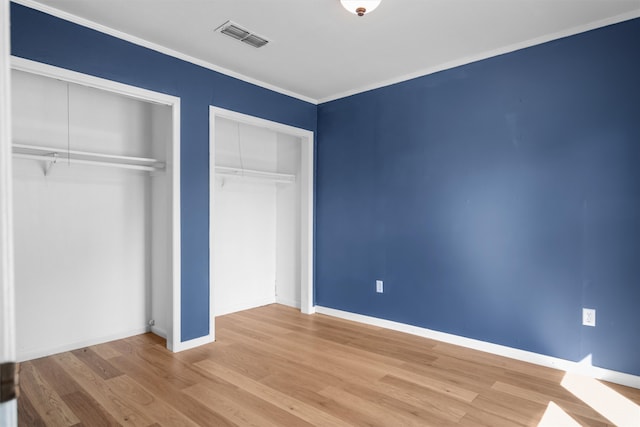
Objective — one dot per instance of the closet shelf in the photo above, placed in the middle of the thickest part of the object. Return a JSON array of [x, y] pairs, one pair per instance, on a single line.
[[281, 178], [52, 155]]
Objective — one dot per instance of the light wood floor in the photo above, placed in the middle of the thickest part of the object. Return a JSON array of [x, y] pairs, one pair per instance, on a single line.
[[273, 366]]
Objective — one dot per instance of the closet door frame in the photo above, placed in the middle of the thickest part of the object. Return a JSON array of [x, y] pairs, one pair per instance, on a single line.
[[306, 178], [174, 342], [8, 409]]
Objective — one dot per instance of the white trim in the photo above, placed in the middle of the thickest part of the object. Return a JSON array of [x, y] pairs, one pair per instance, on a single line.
[[8, 410], [257, 121], [387, 82], [7, 320], [212, 186], [307, 229], [9, 413], [37, 353], [248, 304], [288, 302], [174, 333], [172, 166], [51, 71], [500, 350], [485, 55], [196, 342], [158, 331], [306, 187], [158, 48]]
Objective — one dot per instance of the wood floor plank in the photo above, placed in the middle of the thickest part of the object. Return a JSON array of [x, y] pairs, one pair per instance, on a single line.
[[569, 404], [442, 406], [99, 390], [245, 331], [326, 403], [29, 416], [441, 386], [244, 408], [317, 368], [492, 360], [89, 410], [410, 411], [511, 407], [632, 394], [130, 345], [590, 422], [335, 351], [170, 395], [379, 415], [393, 350], [105, 350], [162, 362], [480, 418], [273, 396], [353, 370], [273, 366], [44, 398], [275, 321], [79, 402], [472, 380], [249, 364], [148, 403], [493, 368], [53, 373], [96, 363], [334, 333], [197, 354]]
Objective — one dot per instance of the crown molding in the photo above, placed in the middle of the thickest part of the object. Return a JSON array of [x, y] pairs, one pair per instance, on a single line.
[[487, 54], [158, 48], [380, 84]]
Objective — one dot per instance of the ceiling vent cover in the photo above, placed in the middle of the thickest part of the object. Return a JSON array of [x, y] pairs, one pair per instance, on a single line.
[[235, 31]]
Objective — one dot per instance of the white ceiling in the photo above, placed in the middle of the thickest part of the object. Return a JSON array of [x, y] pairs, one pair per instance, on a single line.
[[319, 51]]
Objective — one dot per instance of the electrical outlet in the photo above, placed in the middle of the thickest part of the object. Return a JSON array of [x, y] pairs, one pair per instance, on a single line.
[[379, 286], [589, 316]]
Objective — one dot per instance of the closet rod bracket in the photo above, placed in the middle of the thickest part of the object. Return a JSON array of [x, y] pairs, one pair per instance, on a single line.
[[50, 163]]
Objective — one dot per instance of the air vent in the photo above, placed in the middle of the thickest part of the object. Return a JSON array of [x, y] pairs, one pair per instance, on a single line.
[[235, 31]]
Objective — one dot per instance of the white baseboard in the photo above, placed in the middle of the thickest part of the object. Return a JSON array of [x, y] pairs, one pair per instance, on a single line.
[[42, 352], [159, 332], [196, 342], [497, 349], [244, 305], [287, 302]]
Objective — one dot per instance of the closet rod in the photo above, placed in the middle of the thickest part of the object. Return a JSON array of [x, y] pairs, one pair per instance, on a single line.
[[60, 151], [50, 158], [282, 178], [52, 155]]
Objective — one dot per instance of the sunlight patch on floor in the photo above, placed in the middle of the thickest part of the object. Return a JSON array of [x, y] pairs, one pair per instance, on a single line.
[[554, 416], [610, 404]]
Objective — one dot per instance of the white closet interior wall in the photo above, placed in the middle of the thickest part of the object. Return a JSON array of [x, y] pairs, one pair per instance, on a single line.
[[89, 243], [256, 229], [161, 236], [288, 204]]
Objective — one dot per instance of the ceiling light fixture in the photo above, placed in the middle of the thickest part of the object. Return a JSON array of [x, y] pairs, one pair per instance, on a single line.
[[360, 7]]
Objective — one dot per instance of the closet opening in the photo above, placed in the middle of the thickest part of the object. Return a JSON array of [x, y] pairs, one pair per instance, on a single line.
[[96, 210], [261, 213]]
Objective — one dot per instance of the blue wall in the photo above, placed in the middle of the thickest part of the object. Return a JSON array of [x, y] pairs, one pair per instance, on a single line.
[[41, 37], [495, 199]]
